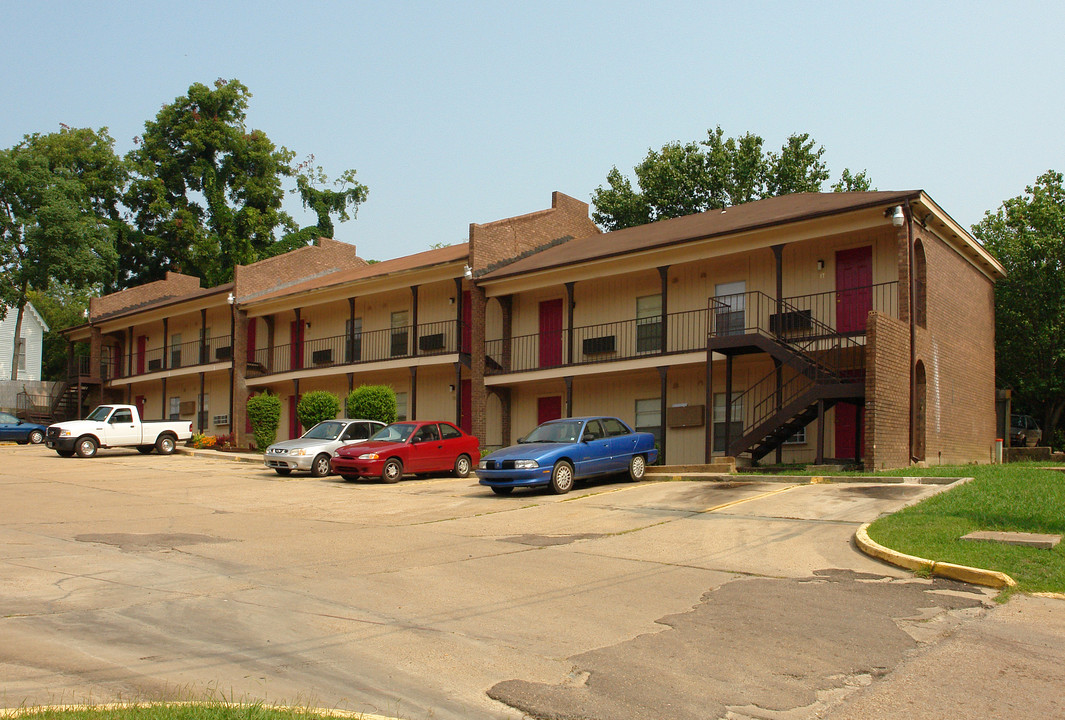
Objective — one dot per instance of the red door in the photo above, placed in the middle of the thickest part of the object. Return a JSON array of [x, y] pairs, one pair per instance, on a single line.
[[551, 333], [142, 348], [848, 426], [548, 408], [854, 292], [293, 418], [466, 406], [467, 319], [139, 402], [295, 334]]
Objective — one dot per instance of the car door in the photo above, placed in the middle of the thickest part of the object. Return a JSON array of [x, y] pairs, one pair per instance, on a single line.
[[453, 443], [425, 449], [593, 450], [622, 443], [121, 429], [8, 427]]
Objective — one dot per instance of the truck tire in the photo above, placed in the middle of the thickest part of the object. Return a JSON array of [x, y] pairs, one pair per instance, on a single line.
[[145, 449], [86, 446], [165, 444], [65, 453]]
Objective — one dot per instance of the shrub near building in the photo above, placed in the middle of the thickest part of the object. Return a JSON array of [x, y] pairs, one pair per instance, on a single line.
[[372, 402], [264, 411], [317, 406]]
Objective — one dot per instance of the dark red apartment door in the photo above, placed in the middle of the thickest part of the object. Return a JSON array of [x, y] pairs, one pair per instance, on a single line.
[[849, 428], [295, 334], [551, 333], [548, 408], [854, 292]]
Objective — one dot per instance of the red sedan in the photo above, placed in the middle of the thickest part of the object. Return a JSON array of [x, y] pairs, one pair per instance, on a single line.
[[409, 447]]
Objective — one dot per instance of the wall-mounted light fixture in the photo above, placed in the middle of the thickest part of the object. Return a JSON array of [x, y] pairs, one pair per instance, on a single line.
[[451, 388], [820, 265], [231, 298], [467, 272], [896, 215]]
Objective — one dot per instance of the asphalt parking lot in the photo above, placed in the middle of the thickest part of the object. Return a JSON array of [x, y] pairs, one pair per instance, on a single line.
[[145, 577]]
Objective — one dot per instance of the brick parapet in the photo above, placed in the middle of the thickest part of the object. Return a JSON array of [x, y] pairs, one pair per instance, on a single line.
[[887, 392], [174, 285], [326, 256]]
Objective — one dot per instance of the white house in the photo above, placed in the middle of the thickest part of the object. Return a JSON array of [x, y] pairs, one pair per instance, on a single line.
[[33, 330]]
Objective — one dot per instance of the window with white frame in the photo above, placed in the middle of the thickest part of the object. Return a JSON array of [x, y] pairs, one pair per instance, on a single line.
[[400, 333], [649, 417], [649, 323], [353, 339], [401, 406], [22, 354], [175, 350], [797, 438], [203, 417], [719, 420], [175, 408], [730, 304]]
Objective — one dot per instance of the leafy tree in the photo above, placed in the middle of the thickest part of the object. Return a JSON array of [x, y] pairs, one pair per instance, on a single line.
[[686, 178], [207, 191], [1027, 235], [52, 194], [859, 182], [264, 411], [372, 402], [316, 406], [61, 307]]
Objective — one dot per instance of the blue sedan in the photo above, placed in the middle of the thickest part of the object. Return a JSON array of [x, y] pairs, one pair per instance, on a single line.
[[561, 451], [22, 432]]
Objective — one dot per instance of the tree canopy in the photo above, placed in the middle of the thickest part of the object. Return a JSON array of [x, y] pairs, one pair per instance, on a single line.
[[1027, 235], [54, 203], [686, 178]]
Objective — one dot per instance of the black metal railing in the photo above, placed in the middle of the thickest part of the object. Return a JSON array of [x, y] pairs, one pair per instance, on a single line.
[[603, 342], [361, 347]]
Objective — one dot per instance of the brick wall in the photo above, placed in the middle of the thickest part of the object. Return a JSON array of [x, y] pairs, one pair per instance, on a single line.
[[958, 352], [887, 393], [494, 242], [292, 267], [175, 285]]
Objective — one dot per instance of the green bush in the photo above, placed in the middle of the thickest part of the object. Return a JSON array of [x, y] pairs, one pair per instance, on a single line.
[[264, 411], [372, 402], [317, 406]]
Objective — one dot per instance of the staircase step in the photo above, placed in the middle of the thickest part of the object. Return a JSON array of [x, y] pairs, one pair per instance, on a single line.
[[723, 466]]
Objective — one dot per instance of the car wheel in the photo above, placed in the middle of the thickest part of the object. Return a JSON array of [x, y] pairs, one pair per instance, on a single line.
[[36, 437], [462, 466], [283, 472], [350, 478], [86, 447], [320, 466], [145, 449], [65, 453], [392, 471], [165, 444], [502, 490], [637, 467], [562, 478]]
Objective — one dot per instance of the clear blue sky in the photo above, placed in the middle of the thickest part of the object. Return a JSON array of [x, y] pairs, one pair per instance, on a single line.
[[462, 112]]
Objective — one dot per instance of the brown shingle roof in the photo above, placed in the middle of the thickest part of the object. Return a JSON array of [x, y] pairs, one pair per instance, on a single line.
[[749, 216]]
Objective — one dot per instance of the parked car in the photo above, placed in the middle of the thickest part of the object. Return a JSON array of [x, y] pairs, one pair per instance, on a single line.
[[1024, 431], [409, 447], [111, 426], [314, 449], [561, 451], [22, 432]]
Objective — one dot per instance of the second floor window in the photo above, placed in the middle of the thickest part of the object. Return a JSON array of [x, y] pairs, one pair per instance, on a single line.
[[649, 324], [353, 339], [175, 350], [400, 333], [730, 304]]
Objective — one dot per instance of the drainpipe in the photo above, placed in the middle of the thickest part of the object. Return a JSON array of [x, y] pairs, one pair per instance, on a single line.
[[913, 326]]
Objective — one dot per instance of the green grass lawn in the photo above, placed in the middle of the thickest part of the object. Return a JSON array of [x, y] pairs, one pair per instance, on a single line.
[[1017, 497]]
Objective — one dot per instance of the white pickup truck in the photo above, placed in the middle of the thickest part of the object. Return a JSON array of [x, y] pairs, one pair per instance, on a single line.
[[112, 426]]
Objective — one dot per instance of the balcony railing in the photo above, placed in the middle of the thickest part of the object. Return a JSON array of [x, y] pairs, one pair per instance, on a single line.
[[605, 342], [398, 343]]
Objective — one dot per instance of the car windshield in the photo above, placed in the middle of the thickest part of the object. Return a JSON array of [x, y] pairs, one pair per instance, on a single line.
[[327, 430], [562, 431], [100, 413], [396, 432]]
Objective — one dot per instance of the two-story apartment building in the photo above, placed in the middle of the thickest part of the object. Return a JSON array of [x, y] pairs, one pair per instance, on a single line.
[[793, 329]]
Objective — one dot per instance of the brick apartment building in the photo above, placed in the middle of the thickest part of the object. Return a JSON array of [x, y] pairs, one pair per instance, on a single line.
[[803, 328]]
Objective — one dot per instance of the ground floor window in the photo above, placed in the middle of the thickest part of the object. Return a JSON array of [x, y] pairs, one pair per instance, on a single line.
[[174, 412], [649, 417], [401, 406], [719, 420], [798, 438]]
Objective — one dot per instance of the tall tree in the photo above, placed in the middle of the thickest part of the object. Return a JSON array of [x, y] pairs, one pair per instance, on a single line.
[[1027, 235], [718, 172], [51, 193]]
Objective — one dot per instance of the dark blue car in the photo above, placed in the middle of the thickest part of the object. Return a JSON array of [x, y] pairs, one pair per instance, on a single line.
[[561, 451], [11, 428]]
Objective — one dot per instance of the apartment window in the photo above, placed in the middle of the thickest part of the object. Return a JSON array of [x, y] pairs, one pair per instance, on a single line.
[[729, 308], [649, 417], [202, 418], [719, 420], [401, 406], [797, 438], [649, 323], [353, 339], [22, 354], [205, 342], [400, 333], [175, 408], [175, 350]]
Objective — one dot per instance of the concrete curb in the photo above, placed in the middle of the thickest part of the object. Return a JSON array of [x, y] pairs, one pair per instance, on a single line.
[[231, 457], [324, 712], [975, 576]]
